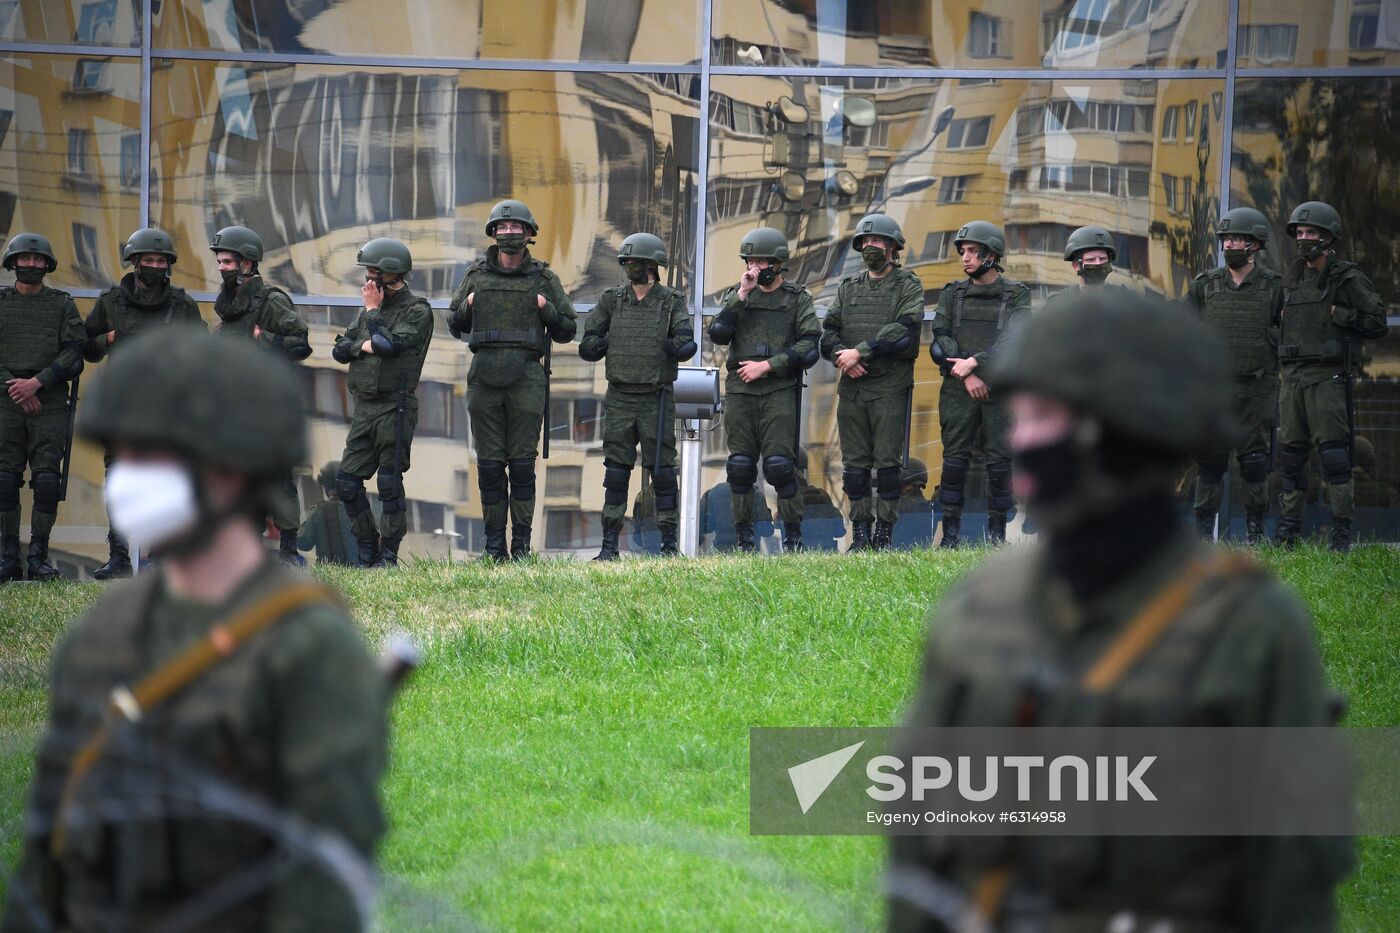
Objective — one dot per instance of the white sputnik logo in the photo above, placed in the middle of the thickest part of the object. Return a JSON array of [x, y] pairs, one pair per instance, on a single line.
[[811, 778]]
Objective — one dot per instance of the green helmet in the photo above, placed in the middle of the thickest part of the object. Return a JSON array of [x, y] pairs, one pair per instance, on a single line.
[[238, 240], [643, 246], [764, 243], [511, 210], [878, 225], [1244, 221], [1315, 214], [983, 234], [149, 240], [386, 255], [326, 475], [916, 472], [28, 243], [1089, 238], [1162, 379], [227, 404]]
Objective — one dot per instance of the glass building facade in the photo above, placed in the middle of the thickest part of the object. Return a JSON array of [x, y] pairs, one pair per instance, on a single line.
[[324, 123]]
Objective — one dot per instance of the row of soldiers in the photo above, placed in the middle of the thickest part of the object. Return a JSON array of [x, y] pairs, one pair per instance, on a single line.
[[510, 307]]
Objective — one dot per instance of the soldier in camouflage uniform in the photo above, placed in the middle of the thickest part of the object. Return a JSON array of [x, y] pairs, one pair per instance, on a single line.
[[327, 529], [871, 333], [385, 347], [771, 330], [250, 308], [1241, 301], [1096, 450], [1329, 308], [41, 351], [1091, 254], [643, 328], [974, 317], [196, 786], [143, 300], [508, 308]]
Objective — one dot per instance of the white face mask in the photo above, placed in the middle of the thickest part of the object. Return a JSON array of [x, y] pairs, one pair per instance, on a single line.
[[151, 503]]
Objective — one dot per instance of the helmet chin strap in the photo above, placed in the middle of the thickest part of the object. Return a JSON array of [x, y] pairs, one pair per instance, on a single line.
[[200, 535]]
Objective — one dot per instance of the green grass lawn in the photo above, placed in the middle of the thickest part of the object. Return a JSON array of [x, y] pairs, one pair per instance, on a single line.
[[574, 752]]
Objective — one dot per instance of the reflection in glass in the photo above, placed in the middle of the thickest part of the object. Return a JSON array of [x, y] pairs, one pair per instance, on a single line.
[[981, 34], [76, 22], [1291, 33], [590, 31], [318, 159]]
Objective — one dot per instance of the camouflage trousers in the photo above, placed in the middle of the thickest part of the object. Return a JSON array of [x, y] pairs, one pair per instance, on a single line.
[[960, 418], [759, 426], [1315, 415], [1255, 402], [506, 426], [872, 436], [37, 440], [371, 448], [629, 421]]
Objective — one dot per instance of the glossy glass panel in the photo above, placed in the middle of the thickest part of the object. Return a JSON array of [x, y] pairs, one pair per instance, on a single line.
[[591, 31], [981, 34], [1039, 158], [1337, 140], [70, 165], [71, 22], [1304, 34], [319, 159]]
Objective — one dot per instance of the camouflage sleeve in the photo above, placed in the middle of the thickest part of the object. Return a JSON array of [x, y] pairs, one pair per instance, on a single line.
[[459, 313], [97, 326], [594, 345], [831, 326], [942, 314], [726, 323], [283, 328], [188, 313], [1359, 308], [1195, 298], [413, 329], [896, 336], [680, 342], [71, 344], [309, 534], [1017, 312], [790, 360], [558, 312]]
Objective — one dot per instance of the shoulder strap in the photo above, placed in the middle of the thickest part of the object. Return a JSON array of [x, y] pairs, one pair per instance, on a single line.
[[223, 641]]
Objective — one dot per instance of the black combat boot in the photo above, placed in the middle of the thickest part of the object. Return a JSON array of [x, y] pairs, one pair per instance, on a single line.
[[1254, 529], [609, 549], [118, 560], [287, 549], [883, 536], [10, 566], [792, 538], [495, 545], [743, 538], [1287, 533], [1205, 526], [519, 542], [40, 570], [996, 528], [860, 537], [369, 549], [388, 554], [952, 531], [1340, 538], [669, 547]]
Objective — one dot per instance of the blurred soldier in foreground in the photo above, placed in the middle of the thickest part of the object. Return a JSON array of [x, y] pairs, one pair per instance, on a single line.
[[771, 330], [871, 334], [508, 309], [327, 529], [144, 299], [385, 346], [1329, 308], [1091, 254], [1241, 302], [643, 329], [250, 308], [208, 719], [41, 352], [1117, 583], [974, 317]]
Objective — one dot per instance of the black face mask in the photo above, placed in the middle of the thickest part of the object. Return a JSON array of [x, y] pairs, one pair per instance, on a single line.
[[230, 277], [637, 271], [875, 258], [30, 275], [1310, 250], [511, 244], [1095, 275], [1056, 469], [151, 277], [767, 276], [1238, 258]]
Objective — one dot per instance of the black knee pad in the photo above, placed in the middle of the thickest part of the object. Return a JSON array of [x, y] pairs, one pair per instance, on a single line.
[[351, 490], [391, 496], [47, 486], [1211, 470], [615, 482], [665, 483], [9, 491], [999, 486], [742, 473], [950, 487], [491, 480], [782, 476], [1254, 466], [1336, 462], [1293, 467], [855, 482], [887, 482], [522, 478]]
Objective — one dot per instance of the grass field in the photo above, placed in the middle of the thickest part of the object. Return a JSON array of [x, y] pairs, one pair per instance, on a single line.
[[574, 751]]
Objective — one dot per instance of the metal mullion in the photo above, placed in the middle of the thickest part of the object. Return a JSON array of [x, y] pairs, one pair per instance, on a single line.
[[87, 51], [402, 62], [145, 113], [1227, 115], [1009, 74], [1330, 71]]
